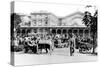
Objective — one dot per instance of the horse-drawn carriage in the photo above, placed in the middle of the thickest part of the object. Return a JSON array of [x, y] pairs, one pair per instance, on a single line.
[[85, 45], [38, 46]]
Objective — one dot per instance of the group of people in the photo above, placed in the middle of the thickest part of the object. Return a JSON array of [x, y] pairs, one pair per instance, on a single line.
[[47, 42]]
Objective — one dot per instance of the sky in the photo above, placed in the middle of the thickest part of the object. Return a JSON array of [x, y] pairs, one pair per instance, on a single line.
[[58, 9]]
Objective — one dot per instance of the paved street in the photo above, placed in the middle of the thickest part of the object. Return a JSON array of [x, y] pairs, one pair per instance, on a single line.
[[60, 55]]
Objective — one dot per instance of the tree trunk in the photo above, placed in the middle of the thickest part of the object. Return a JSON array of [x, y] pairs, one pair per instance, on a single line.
[[94, 44]]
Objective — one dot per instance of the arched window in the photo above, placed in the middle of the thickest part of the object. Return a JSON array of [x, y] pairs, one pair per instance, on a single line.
[[81, 32], [59, 31], [53, 31], [64, 31]]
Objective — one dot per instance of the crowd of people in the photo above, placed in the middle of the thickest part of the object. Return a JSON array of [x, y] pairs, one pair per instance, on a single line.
[[47, 42]]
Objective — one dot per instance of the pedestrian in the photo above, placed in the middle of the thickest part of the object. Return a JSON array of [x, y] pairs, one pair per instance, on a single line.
[[71, 44]]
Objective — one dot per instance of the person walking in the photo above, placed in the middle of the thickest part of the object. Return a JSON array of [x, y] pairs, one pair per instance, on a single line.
[[71, 44]]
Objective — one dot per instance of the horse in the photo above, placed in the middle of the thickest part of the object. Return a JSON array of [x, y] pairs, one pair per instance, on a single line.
[[47, 45]]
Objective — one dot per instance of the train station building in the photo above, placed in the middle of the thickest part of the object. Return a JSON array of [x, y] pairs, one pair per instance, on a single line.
[[48, 23]]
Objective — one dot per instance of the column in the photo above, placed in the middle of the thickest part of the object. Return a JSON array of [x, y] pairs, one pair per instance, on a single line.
[[67, 32], [20, 31], [72, 31], [62, 31], [56, 31], [83, 32], [77, 32], [25, 31], [89, 33], [50, 31], [37, 31]]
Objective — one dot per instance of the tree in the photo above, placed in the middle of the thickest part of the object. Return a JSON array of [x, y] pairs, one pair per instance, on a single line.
[[91, 21], [15, 21]]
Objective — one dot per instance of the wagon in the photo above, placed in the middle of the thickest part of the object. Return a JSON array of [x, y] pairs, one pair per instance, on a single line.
[[85, 47], [30, 46]]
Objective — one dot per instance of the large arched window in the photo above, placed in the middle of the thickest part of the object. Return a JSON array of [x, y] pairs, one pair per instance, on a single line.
[[64, 31], [81, 32], [75, 32], [59, 31], [53, 31]]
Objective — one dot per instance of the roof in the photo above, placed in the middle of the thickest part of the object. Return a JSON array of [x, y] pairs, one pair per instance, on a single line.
[[75, 13]]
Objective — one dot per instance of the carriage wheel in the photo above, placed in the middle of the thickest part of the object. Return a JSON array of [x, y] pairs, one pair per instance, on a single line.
[[80, 50]]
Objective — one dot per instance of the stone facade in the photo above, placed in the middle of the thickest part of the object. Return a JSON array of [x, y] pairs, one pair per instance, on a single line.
[[49, 23], [40, 20]]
